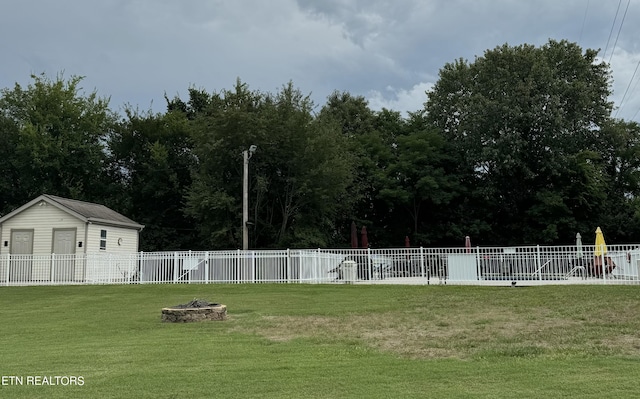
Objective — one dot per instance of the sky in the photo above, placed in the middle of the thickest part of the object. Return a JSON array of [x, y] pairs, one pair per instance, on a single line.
[[389, 51]]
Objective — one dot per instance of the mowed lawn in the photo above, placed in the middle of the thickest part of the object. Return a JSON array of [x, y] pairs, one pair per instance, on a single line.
[[324, 341]]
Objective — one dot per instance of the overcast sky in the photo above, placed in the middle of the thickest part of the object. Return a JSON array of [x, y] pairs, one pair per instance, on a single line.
[[390, 51]]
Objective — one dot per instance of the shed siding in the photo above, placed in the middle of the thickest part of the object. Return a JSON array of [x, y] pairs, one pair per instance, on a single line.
[[42, 219], [129, 242]]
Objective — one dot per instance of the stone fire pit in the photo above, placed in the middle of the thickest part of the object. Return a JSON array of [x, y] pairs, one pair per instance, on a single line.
[[196, 310]]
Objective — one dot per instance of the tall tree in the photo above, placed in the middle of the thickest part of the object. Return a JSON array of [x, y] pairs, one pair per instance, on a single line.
[[297, 175], [224, 125], [10, 198], [421, 181], [306, 171], [619, 169], [404, 180], [369, 151], [55, 139], [151, 157], [525, 119]]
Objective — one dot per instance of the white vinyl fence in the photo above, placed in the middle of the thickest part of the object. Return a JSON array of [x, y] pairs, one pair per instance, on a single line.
[[532, 265]]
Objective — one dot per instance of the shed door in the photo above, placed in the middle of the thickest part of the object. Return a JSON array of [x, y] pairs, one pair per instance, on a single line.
[[21, 255], [64, 248]]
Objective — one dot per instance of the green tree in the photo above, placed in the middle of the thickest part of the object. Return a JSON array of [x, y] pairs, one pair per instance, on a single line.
[[151, 158], [305, 172], [405, 180], [369, 152], [525, 121], [224, 125], [53, 140], [298, 174], [619, 168], [10, 198], [421, 181]]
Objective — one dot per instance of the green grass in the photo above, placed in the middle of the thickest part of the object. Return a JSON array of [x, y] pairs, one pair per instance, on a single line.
[[325, 341]]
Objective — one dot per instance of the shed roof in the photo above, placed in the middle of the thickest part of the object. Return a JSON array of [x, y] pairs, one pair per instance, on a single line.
[[86, 211]]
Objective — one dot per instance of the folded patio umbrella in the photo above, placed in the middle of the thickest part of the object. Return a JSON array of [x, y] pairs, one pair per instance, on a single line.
[[601, 246], [579, 251]]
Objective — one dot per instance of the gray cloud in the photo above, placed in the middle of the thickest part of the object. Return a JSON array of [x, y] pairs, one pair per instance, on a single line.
[[388, 51]]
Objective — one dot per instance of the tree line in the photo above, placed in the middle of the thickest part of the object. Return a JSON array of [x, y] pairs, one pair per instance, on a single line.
[[517, 147]]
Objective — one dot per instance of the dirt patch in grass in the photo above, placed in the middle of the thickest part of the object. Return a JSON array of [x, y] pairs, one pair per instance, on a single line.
[[461, 335], [627, 344]]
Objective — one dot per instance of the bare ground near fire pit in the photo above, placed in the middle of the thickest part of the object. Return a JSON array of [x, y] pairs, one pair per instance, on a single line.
[[471, 327]]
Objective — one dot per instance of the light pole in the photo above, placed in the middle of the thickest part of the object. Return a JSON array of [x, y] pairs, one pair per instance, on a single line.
[[246, 155]]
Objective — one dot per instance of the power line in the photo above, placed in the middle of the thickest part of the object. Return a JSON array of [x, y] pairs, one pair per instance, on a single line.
[[627, 90], [622, 103], [634, 115], [584, 21], [613, 25], [619, 30], [634, 89]]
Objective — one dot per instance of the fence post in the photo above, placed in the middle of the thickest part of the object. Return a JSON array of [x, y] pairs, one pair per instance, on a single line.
[[110, 263], [288, 265], [53, 267], [478, 268], [190, 267], [141, 276], [87, 260], [76, 264], [206, 267], [6, 275], [602, 263], [538, 262], [422, 266], [316, 261], [237, 266], [175, 267], [252, 263], [369, 270]]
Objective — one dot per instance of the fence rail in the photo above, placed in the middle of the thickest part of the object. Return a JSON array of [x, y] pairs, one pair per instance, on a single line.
[[478, 266]]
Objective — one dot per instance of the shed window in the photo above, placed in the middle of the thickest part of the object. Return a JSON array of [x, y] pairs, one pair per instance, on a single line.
[[103, 239]]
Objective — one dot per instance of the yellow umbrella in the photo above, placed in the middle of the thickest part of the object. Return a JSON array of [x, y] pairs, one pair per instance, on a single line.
[[601, 246]]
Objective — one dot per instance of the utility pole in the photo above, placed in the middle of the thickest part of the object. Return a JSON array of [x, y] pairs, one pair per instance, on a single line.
[[246, 155]]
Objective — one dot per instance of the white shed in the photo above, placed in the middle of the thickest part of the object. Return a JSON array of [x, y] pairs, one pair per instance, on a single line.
[[54, 225]]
